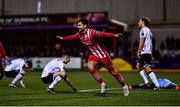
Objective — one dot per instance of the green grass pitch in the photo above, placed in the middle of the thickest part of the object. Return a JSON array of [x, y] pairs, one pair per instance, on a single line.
[[35, 94]]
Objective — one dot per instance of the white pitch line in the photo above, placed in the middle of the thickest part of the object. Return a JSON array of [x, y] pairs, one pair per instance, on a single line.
[[91, 90], [108, 89]]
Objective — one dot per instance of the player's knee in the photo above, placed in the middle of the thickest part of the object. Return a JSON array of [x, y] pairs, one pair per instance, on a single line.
[[91, 67], [62, 74], [112, 69], [22, 74], [138, 67], [148, 69], [114, 73]]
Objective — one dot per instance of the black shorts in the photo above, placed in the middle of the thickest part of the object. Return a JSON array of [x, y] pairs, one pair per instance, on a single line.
[[47, 79], [11, 74], [145, 60]]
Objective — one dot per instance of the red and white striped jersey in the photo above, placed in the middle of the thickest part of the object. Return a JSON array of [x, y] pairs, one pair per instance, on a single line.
[[88, 39]]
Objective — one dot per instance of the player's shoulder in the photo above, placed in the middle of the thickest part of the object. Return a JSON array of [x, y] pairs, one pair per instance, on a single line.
[[55, 59], [18, 59], [145, 29], [59, 59], [76, 34], [21, 59], [93, 31]]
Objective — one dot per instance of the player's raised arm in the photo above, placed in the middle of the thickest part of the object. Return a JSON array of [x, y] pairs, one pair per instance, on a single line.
[[59, 37], [118, 35], [108, 34], [69, 37]]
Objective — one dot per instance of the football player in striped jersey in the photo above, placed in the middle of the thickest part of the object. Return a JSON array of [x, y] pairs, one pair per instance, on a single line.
[[97, 53]]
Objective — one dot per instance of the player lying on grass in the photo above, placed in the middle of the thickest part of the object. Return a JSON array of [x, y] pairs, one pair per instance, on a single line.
[[17, 69], [54, 72], [163, 83]]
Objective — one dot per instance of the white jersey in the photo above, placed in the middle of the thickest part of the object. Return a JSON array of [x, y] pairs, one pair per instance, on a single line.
[[16, 65], [53, 66], [147, 47]]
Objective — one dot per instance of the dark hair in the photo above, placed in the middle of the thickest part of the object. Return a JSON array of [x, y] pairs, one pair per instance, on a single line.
[[29, 64], [65, 54], [146, 20], [83, 21]]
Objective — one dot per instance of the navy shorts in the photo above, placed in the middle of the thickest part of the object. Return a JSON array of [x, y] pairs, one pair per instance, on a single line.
[[145, 60], [47, 79], [11, 74]]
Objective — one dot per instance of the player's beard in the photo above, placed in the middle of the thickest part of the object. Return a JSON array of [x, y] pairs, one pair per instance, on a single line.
[[81, 31]]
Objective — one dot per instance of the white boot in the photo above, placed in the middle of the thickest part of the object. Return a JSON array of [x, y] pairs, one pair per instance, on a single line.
[[126, 90], [103, 87]]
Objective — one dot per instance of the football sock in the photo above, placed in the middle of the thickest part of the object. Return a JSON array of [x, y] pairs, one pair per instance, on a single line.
[[143, 75], [96, 76], [56, 80], [153, 78], [18, 77], [119, 78]]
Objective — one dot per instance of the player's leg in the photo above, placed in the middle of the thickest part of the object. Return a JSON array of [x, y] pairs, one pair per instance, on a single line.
[[1, 73], [19, 76], [109, 66], [49, 79], [96, 75], [147, 67], [12, 74], [139, 86], [152, 76], [145, 62], [94, 72], [142, 73], [120, 79], [92, 62], [55, 78], [1, 69], [107, 63]]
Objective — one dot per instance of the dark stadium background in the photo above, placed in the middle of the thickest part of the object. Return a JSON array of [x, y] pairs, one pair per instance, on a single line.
[[28, 29]]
